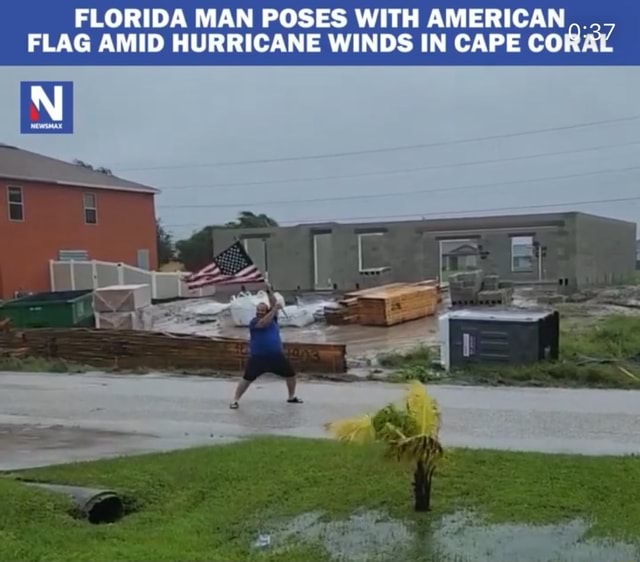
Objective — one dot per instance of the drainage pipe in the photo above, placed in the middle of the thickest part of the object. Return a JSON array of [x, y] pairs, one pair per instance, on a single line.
[[97, 506]]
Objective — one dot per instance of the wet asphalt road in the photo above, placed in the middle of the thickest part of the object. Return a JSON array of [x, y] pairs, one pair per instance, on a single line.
[[54, 418]]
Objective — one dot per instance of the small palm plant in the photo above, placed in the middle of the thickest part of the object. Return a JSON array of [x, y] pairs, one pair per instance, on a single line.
[[410, 435]]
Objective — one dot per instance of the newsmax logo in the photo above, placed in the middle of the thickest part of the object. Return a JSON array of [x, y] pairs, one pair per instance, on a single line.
[[46, 108]]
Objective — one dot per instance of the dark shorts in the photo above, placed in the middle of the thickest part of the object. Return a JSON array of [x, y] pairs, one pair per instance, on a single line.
[[260, 364]]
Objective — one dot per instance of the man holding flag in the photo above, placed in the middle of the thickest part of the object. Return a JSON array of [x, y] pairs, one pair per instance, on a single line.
[[265, 352], [234, 266]]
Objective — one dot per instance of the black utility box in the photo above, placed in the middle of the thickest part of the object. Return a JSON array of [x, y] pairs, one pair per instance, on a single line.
[[514, 336]]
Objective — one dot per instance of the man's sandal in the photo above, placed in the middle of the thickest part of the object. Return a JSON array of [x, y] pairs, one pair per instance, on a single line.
[[234, 405], [295, 400]]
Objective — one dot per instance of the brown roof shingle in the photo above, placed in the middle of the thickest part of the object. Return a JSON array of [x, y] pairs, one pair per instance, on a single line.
[[18, 164]]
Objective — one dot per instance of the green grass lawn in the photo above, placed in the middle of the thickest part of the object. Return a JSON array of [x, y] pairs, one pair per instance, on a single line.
[[210, 504]]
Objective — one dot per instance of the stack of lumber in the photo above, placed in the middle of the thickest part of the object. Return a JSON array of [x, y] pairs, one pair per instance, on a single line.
[[345, 311], [387, 305], [132, 349], [395, 305]]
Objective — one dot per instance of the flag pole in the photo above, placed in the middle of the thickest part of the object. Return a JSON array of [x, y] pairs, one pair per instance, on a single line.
[[270, 290]]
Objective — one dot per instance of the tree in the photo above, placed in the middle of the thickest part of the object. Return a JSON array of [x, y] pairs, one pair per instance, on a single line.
[[410, 435], [165, 244], [100, 169], [196, 251], [247, 219]]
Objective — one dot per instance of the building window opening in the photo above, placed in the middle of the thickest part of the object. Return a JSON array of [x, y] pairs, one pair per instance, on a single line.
[[522, 253], [372, 252]]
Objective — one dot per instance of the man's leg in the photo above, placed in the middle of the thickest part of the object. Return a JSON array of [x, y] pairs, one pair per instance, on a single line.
[[284, 369], [251, 372], [241, 389], [291, 386]]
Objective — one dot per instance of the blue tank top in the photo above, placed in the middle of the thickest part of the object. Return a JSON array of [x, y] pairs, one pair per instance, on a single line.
[[265, 341]]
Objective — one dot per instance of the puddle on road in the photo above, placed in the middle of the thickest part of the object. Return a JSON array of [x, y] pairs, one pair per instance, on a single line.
[[373, 537]]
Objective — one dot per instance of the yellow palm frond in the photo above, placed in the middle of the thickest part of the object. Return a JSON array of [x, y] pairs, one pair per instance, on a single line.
[[423, 410], [353, 430]]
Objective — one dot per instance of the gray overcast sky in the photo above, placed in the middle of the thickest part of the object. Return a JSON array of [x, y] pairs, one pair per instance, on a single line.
[[145, 117]]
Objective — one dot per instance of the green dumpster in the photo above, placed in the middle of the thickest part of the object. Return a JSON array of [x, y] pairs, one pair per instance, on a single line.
[[63, 309]]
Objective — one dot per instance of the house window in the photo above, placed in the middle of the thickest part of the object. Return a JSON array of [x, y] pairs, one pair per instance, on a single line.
[[15, 203], [522, 253], [90, 208], [372, 251]]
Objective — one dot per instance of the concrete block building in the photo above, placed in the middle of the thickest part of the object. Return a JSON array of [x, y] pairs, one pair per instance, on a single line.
[[571, 250]]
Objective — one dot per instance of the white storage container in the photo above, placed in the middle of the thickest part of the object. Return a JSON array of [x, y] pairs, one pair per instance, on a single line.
[[121, 298], [141, 319]]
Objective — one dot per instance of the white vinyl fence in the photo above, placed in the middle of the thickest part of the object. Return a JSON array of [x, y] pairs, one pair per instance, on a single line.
[[85, 275]]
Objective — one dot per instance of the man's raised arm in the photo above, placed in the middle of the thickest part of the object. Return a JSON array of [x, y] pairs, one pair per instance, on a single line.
[[273, 302], [273, 310]]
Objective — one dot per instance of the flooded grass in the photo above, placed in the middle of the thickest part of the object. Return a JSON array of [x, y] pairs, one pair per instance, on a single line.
[[372, 536]]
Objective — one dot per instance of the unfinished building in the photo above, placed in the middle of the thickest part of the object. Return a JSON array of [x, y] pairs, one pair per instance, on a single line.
[[571, 250]]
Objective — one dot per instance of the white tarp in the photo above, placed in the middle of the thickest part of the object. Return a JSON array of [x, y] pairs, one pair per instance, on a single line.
[[208, 312]]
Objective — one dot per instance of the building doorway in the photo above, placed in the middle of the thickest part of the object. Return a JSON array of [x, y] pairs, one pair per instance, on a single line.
[[456, 256], [322, 261]]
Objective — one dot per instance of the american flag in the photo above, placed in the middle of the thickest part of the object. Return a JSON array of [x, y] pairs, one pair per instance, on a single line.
[[231, 266]]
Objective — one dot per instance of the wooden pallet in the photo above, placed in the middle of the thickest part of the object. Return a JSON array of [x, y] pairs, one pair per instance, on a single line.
[[346, 312], [124, 349]]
